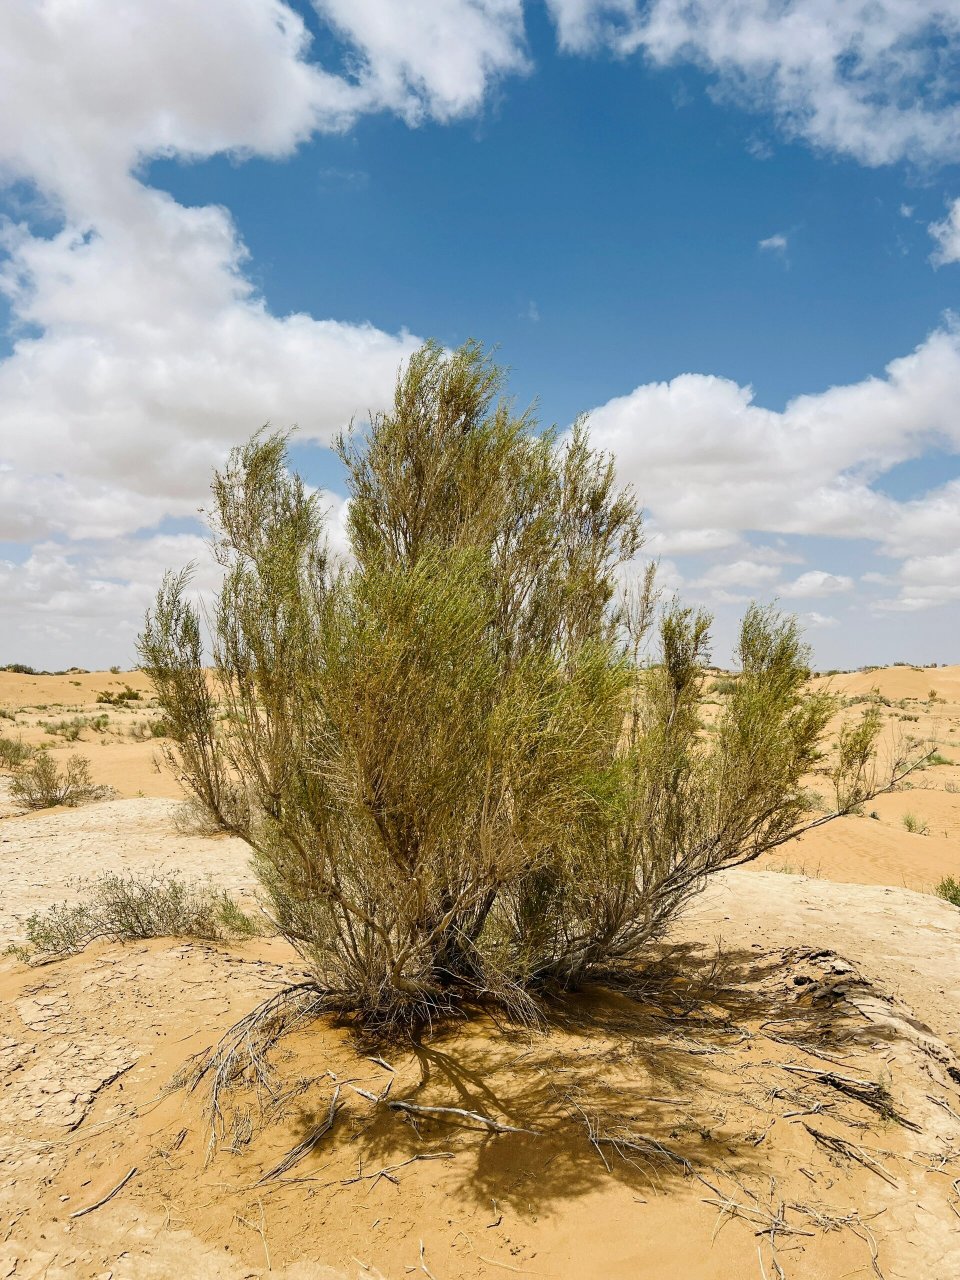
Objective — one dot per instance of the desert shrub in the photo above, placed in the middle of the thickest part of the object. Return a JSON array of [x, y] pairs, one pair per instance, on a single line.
[[144, 730], [39, 784], [14, 752], [193, 818], [118, 697], [468, 765], [936, 758], [725, 685], [71, 729], [916, 826], [949, 890], [21, 669], [123, 908]]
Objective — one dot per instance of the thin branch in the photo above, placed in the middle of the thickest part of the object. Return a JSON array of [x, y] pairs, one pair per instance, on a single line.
[[80, 1213]]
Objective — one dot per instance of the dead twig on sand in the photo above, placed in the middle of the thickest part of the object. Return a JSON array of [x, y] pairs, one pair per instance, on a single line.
[[260, 1228], [939, 1102], [388, 1170], [80, 1213], [494, 1126], [307, 1145], [423, 1265], [840, 1146], [869, 1092]]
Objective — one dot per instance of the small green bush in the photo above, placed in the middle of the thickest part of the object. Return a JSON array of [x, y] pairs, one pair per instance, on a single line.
[[119, 697], [40, 784], [14, 752], [949, 890], [937, 758], [144, 730], [71, 729], [125, 908], [20, 669], [724, 686], [915, 825]]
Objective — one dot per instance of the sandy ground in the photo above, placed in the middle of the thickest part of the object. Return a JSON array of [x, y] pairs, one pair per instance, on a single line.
[[717, 1151]]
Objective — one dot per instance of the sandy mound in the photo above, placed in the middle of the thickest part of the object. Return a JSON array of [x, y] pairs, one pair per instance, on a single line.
[[772, 1093], [780, 1096]]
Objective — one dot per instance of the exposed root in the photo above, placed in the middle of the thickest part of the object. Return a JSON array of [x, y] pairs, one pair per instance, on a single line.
[[244, 1049]]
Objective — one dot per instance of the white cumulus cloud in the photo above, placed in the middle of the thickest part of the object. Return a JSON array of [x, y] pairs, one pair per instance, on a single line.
[[873, 79], [947, 237], [712, 467], [816, 582]]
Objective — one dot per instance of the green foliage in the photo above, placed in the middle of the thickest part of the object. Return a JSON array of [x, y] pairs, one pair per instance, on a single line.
[[144, 730], [949, 890], [724, 685], [916, 826], [854, 774], [20, 668], [121, 908], [14, 752], [39, 784], [71, 729], [119, 697], [461, 774], [936, 758]]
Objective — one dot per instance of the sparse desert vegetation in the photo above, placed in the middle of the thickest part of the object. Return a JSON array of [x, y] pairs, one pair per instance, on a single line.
[[123, 908]]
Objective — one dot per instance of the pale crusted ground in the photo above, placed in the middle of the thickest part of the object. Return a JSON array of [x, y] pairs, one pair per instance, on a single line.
[[46, 854], [846, 972]]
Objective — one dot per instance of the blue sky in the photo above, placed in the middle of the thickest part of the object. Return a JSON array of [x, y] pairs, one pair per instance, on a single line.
[[728, 232]]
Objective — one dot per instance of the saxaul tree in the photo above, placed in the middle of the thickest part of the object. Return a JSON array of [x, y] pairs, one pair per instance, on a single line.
[[471, 765]]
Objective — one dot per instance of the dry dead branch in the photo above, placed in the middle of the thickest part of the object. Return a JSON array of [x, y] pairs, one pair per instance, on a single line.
[[80, 1213], [307, 1145], [494, 1126], [869, 1092], [841, 1147]]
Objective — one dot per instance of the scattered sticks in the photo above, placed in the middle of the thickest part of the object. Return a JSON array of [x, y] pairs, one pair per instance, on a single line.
[[868, 1092], [388, 1170], [840, 1146]]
